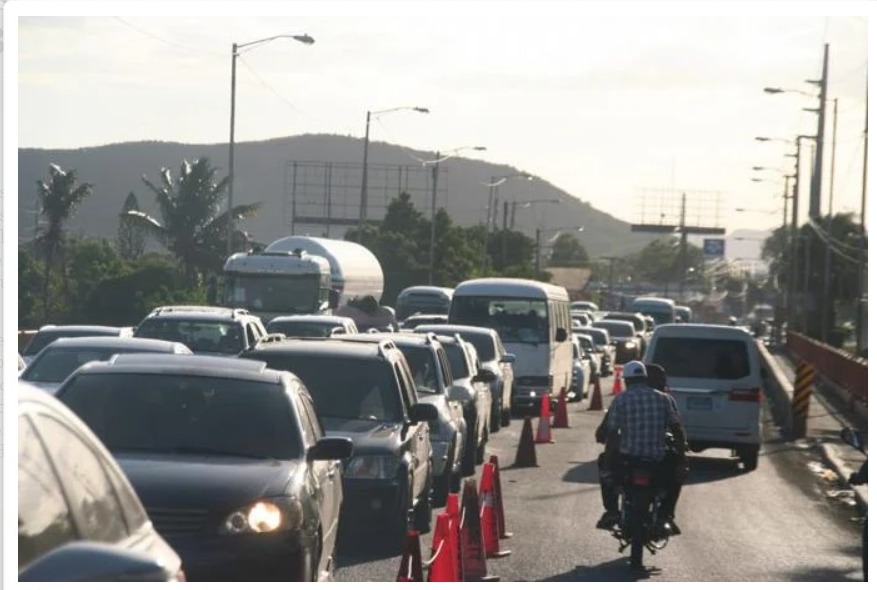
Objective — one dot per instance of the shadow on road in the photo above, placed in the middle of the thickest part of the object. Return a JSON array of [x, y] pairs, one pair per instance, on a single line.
[[710, 469], [617, 570], [585, 472], [361, 547]]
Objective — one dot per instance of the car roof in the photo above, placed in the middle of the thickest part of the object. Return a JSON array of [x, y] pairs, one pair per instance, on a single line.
[[84, 328], [200, 365], [710, 331], [598, 323], [198, 312], [331, 347], [454, 328], [115, 343], [326, 319], [401, 338]]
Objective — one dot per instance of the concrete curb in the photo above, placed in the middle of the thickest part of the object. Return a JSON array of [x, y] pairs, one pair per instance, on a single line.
[[837, 464]]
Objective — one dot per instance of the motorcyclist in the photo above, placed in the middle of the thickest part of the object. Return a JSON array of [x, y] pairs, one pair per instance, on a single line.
[[630, 434]]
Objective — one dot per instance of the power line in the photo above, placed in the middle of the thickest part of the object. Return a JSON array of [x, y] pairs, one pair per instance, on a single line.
[[162, 39]]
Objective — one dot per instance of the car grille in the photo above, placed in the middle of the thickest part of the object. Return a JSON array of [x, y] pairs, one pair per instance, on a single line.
[[176, 522]]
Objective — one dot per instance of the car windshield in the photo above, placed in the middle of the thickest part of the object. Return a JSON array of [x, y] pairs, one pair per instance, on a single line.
[[457, 360], [617, 330], [279, 294], [516, 320], [599, 338], [365, 389], [638, 324], [53, 366], [185, 414], [198, 335], [43, 339], [302, 329], [702, 358]]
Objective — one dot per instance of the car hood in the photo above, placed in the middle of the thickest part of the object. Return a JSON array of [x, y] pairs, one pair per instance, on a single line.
[[368, 436], [205, 482]]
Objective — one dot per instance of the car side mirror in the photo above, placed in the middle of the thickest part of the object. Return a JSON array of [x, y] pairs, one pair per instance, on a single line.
[[508, 358], [561, 335], [331, 448], [86, 561], [484, 376], [423, 413]]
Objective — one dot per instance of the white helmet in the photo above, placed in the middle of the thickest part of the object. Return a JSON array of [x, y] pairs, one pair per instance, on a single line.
[[634, 370]]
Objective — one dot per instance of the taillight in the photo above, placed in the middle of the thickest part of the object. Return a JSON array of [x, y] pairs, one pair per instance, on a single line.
[[745, 395], [641, 478]]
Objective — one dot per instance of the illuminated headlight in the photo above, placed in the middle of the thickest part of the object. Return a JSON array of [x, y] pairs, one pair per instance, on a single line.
[[265, 516], [372, 467], [629, 344]]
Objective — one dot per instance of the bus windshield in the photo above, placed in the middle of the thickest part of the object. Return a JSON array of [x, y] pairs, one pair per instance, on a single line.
[[276, 294], [516, 320]]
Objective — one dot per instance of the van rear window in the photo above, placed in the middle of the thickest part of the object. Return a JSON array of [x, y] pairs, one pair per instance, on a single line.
[[702, 358]]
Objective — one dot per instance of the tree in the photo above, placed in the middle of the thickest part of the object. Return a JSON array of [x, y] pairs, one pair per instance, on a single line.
[[131, 239], [192, 227], [568, 251], [59, 199]]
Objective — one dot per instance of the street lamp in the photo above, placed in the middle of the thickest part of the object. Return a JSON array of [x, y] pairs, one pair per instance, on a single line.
[[559, 232], [307, 40], [525, 204], [773, 90], [439, 158], [492, 203], [363, 195]]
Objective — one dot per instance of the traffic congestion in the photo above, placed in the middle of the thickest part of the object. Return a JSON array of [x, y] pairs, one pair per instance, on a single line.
[[315, 436]]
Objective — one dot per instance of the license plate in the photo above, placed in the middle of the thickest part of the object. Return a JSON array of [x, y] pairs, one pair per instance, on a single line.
[[699, 403]]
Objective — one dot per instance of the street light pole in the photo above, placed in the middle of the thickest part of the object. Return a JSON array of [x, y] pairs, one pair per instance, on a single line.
[[432, 217], [307, 40], [827, 303]]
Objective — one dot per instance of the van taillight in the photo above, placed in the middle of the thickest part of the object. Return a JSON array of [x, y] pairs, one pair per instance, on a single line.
[[745, 395]]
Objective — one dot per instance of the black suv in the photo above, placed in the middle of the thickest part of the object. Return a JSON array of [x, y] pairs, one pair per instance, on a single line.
[[204, 329], [365, 391]]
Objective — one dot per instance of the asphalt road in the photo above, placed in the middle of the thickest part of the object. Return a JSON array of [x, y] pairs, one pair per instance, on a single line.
[[781, 522]]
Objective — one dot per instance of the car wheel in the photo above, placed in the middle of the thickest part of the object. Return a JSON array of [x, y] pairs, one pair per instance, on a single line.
[[749, 457], [400, 526], [506, 416], [479, 456], [423, 511], [469, 455], [495, 417], [442, 484]]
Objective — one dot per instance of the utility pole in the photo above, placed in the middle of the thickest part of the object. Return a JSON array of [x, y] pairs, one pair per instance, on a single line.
[[363, 191], [505, 234], [484, 264], [432, 224], [683, 244], [792, 304], [538, 251], [827, 300], [612, 260], [816, 184], [860, 315]]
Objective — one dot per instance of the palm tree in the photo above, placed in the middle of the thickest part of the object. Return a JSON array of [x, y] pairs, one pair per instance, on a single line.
[[59, 199], [192, 227]]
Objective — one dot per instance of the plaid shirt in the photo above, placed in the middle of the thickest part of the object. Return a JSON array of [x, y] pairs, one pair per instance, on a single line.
[[644, 416]]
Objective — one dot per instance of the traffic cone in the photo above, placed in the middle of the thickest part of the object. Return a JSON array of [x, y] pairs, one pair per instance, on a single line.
[[500, 511], [411, 568], [471, 543], [452, 509], [489, 522], [617, 387], [543, 430], [596, 395], [442, 562], [526, 456], [561, 418]]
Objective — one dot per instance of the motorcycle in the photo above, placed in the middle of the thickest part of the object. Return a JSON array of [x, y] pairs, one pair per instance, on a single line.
[[639, 526], [854, 439]]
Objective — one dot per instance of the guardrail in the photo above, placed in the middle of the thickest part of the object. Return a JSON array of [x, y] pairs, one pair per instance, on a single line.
[[843, 369]]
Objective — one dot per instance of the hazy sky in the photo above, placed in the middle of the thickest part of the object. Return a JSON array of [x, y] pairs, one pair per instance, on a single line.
[[604, 100]]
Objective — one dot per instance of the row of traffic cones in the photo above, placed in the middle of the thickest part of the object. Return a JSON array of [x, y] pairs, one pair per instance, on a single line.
[[465, 536]]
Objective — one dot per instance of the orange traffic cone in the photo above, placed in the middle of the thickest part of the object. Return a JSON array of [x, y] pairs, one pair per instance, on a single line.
[[452, 509], [442, 562], [617, 387], [500, 511], [561, 418], [411, 568], [489, 522], [596, 395], [543, 431], [471, 544], [526, 456]]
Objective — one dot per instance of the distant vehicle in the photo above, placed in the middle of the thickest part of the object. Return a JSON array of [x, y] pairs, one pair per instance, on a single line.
[[590, 352], [281, 282], [311, 326], [581, 372], [424, 299], [683, 313], [204, 329], [639, 325], [533, 322], [494, 358], [50, 333], [229, 459], [418, 319], [584, 317], [604, 346], [79, 518], [583, 305], [625, 339], [662, 309], [715, 375], [61, 358], [365, 391]]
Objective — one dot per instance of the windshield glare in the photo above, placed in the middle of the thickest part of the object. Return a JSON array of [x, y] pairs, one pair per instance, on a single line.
[[170, 414], [56, 365], [276, 294], [516, 320], [199, 336]]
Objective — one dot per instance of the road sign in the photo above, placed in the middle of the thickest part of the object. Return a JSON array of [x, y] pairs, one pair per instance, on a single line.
[[713, 247]]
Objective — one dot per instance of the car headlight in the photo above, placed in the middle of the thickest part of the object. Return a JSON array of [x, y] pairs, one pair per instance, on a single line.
[[264, 516], [629, 344], [372, 467]]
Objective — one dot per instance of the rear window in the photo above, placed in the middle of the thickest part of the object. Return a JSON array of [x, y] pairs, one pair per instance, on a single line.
[[598, 337], [617, 329], [57, 364], [43, 339], [199, 336], [702, 358], [303, 329]]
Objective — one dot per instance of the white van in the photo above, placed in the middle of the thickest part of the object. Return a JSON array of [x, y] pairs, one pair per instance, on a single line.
[[715, 375], [533, 321], [662, 310]]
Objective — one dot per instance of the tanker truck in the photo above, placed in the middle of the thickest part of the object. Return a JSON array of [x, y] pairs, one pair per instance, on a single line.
[[301, 275]]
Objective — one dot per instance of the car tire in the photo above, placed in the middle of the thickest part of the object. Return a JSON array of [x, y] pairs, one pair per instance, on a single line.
[[441, 486], [496, 417], [423, 511], [506, 417], [749, 457]]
